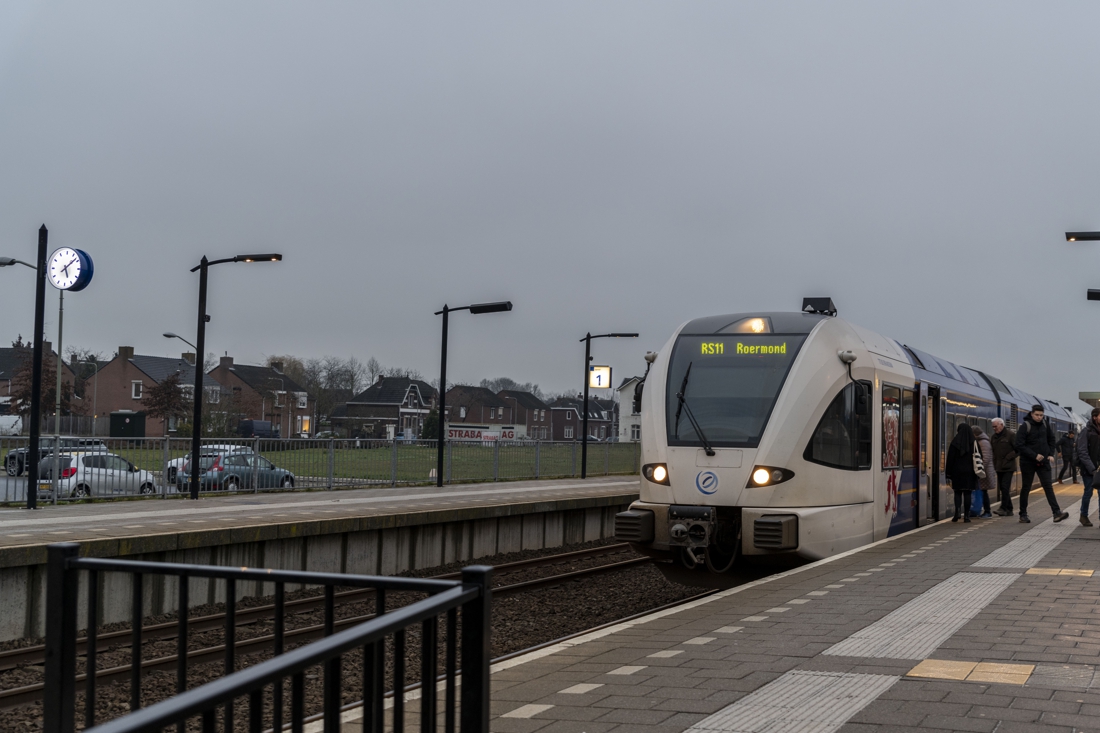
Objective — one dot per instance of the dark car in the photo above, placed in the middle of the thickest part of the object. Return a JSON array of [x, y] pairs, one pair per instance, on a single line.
[[16, 460], [236, 472], [256, 429]]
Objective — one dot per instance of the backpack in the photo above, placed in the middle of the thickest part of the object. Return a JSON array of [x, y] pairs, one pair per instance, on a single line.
[[979, 464]]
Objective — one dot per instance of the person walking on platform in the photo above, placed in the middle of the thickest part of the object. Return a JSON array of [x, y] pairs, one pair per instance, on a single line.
[[1004, 462], [1088, 455], [1067, 447], [959, 469], [988, 482], [1003, 441], [1035, 444]]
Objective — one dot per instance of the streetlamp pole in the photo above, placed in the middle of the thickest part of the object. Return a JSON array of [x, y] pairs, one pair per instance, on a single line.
[[95, 393], [476, 309], [584, 408], [36, 371]]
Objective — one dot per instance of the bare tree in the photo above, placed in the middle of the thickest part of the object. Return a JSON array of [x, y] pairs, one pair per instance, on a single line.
[[503, 383], [373, 369]]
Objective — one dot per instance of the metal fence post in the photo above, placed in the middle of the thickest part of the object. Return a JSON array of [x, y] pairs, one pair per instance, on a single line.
[[538, 456], [393, 463], [606, 459], [331, 461], [164, 467], [496, 460], [62, 590], [476, 652], [56, 473], [255, 465], [450, 462]]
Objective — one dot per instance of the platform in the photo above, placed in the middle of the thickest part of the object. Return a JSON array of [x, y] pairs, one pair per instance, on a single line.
[[987, 626]]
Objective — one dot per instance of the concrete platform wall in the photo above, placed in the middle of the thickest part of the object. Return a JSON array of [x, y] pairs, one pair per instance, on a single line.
[[345, 548]]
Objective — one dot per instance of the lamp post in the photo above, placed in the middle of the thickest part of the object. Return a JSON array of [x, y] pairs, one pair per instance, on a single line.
[[95, 393], [170, 335], [584, 408], [36, 364], [476, 309], [1085, 237], [196, 422]]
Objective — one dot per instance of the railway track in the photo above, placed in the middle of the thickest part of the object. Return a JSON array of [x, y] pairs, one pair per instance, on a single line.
[[246, 616]]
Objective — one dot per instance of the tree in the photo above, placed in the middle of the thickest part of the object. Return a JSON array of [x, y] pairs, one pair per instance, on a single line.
[[505, 383], [430, 431], [167, 400], [373, 369], [402, 372], [21, 387]]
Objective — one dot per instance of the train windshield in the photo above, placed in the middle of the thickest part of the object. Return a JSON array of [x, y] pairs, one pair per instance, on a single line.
[[729, 384]]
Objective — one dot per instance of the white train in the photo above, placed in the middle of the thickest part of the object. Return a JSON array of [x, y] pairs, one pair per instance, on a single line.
[[799, 435]]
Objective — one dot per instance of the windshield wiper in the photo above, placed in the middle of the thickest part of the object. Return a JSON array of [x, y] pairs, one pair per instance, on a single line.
[[691, 416]]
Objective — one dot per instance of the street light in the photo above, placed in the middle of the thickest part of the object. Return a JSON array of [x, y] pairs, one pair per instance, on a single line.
[[36, 363], [477, 310], [196, 422], [1085, 237], [584, 408], [170, 335]]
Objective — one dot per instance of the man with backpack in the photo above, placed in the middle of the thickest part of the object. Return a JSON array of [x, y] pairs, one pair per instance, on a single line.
[[1036, 446], [1088, 455]]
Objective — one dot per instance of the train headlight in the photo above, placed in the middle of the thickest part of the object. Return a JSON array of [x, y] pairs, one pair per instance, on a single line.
[[768, 476], [656, 472]]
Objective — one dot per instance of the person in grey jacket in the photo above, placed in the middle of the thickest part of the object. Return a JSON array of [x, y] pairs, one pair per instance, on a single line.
[[1088, 457], [989, 483], [1036, 445]]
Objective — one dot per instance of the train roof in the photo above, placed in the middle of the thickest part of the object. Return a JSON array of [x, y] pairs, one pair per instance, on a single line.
[[782, 322]]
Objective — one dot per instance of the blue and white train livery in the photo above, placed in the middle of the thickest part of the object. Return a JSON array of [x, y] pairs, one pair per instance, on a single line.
[[799, 434]]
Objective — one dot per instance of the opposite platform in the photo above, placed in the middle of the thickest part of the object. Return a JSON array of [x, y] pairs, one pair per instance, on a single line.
[[988, 626]]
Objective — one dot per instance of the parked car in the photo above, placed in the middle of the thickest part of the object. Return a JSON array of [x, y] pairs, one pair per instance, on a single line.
[[93, 474], [15, 462], [235, 472], [207, 450], [256, 429]]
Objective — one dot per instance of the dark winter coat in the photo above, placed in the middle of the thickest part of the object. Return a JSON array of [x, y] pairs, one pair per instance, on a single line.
[[1004, 450], [1035, 439], [960, 461], [1088, 449], [1065, 447]]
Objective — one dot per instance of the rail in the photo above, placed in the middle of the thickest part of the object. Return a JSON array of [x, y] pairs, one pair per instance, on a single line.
[[471, 594]]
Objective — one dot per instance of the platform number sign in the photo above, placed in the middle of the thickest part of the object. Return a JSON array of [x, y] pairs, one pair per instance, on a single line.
[[599, 377]]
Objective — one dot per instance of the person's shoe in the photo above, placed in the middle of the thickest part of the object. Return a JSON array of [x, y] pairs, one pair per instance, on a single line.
[[1085, 521], [1060, 517], [1024, 519], [987, 515], [966, 519], [955, 518]]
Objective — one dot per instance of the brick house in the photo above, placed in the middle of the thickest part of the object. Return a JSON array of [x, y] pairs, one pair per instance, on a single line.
[[630, 422], [566, 419], [11, 362], [531, 415], [475, 413], [122, 382], [390, 406], [279, 398]]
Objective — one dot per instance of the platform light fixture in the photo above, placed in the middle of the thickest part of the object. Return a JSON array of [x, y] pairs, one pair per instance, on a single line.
[[1082, 236]]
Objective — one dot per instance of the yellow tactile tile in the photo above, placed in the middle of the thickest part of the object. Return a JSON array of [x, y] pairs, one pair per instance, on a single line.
[[1006, 674], [1081, 573], [940, 669], [1042, 571], [1061, 571]]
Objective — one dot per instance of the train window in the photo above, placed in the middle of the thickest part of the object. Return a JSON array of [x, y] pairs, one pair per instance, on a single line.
[[891, 427], [908, 430], [842, 438]]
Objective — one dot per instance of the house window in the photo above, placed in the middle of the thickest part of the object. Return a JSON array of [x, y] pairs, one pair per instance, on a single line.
[[135, 389], [569, 432], [462, 413], [213, 395], [635, 432], [279, 395], [603, 433], [492, 412], [303, 424], [303, 403]]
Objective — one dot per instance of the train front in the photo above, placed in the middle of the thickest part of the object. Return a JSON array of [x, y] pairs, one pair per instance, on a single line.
[[735, 427]]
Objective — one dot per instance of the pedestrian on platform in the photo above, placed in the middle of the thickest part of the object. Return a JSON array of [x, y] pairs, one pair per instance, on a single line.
[[1067, 446], [960, 470], [1036, 445], [988, 482], [1088, 455], [1003, 441]]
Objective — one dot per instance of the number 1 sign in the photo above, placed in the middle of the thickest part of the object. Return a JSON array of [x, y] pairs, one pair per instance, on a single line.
[[599, 377]]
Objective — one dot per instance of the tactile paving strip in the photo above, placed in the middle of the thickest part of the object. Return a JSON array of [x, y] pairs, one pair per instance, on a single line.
[[802, 702], [1030, 547], [916, 629]]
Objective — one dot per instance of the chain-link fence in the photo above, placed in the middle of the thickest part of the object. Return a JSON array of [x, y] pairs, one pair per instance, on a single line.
[[126, 467]]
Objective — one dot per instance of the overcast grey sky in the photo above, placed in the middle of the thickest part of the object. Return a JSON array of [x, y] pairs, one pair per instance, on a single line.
[[606, 166]]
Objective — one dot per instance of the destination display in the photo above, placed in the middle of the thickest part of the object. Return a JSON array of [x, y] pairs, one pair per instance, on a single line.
[[718, 348]]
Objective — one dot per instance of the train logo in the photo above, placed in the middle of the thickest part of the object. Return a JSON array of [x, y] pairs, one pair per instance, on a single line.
[[707, 482]]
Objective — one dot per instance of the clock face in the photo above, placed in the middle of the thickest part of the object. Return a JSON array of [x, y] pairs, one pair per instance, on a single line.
[[69, 269]]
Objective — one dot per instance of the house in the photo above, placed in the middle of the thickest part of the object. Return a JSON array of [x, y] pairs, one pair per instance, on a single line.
[[11, 362], [279, 399], [477, 413], [531, 415], [121, 384], [630, 420], [390, 407], [566, 419]]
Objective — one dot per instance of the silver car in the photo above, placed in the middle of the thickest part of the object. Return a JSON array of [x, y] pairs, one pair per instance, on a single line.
[[94, 474]]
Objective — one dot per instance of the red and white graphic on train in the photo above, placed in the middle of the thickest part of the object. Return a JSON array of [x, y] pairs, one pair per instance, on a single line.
[[891, 445]]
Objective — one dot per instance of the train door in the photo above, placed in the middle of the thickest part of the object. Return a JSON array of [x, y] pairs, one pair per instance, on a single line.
[[932, 440]]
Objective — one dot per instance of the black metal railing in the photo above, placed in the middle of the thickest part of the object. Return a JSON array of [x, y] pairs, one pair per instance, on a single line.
[[471, 595]]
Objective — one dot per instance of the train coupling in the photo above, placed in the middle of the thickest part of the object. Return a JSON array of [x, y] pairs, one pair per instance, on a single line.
[[691, 526]]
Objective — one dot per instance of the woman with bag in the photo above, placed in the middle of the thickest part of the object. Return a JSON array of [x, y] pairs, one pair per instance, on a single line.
[[988, 481], [962, 455]]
